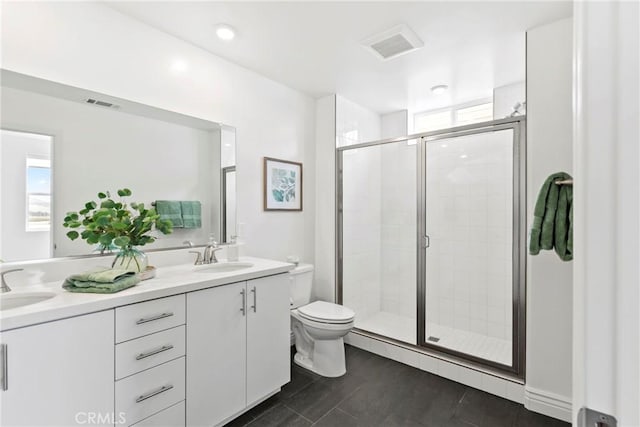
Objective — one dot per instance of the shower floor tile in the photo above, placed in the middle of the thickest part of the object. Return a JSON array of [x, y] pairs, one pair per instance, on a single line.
[[403, 328], [490, 348]]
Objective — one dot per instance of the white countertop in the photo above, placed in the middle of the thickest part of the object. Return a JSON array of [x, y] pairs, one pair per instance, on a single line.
[[168, 281]]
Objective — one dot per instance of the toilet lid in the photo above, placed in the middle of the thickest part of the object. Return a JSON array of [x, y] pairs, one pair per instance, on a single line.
[[326, 312]]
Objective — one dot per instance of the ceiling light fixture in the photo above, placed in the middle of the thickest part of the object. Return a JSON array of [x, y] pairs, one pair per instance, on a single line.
[[225, 32], [179, 66], [439, 89]]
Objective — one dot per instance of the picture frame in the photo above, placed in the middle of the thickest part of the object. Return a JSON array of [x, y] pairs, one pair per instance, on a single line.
[[282, 185]]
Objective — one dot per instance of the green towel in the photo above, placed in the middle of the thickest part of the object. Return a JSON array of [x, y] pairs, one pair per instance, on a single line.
[[563, 235], [191, 214], [552, 218], [101, 280], [102, 275], [171, 210]]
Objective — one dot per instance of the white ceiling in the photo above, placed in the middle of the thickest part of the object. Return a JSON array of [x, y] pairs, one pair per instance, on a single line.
[[314, 47]]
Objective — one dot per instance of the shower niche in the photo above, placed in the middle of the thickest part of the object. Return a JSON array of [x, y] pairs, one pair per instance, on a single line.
[[431, 237]]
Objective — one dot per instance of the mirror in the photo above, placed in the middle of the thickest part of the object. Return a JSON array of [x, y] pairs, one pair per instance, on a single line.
[[61, 145]]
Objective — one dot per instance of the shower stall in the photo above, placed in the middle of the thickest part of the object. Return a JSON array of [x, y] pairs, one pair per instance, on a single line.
[[431, 236]]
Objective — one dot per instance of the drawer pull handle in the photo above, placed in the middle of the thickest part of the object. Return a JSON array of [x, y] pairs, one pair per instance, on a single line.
[[153, 352], [151, 319], [4, 382], [154, 393]]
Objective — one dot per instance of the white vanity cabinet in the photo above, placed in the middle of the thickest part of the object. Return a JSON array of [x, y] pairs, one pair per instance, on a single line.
[[59, 373], [237, 347], [150, 362]]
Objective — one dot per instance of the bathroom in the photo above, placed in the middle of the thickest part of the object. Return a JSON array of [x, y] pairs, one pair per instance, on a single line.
[[258, 102]]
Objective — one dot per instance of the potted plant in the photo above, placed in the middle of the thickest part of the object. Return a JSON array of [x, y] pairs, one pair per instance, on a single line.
[[109, 223]]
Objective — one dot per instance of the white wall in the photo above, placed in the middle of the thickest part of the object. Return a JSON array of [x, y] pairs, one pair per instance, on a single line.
[[355, 123], [98, 149], [549, 280], [16, 243], [324, 286], [91, 46], [606, 374]]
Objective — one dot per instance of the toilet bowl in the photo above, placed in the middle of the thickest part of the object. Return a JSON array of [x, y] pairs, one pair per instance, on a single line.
[[319, 328]]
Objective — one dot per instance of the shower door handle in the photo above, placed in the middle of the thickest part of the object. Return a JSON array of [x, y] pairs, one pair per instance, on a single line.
[[427, 241]]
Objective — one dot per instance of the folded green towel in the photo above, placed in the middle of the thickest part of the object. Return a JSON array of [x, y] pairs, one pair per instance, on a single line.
[[102, 275], [171, 210], [191, 214], [72, 285], [552, 218]]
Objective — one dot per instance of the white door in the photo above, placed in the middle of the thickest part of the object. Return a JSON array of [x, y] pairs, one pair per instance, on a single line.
[[59, 373], [268, 336], [606, 341], [216, 354]]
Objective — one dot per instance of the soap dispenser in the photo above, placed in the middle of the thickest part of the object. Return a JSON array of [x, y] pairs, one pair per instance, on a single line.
[[233, 250]]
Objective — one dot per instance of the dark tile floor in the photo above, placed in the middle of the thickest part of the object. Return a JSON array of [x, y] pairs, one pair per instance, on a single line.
[[381, 392]]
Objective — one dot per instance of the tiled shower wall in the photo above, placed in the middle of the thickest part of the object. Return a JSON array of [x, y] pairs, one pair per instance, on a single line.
[[469, 221], [398, 262]]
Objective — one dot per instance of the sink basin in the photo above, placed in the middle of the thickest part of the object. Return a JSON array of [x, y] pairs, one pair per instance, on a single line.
[[223, 267], [11, 300]]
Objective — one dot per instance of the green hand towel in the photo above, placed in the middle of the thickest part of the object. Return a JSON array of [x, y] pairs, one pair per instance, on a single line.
[[191, 214], [563, 223], [171, 210], [101, 275], [73, 285], [543, 231]]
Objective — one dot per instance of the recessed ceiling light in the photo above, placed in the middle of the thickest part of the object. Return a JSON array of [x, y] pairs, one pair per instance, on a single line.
[[225, 32], [439, 89]]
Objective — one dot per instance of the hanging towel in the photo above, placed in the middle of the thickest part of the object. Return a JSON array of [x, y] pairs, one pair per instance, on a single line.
[[101, 281], [552, 218], [171, 210], [191, 214]]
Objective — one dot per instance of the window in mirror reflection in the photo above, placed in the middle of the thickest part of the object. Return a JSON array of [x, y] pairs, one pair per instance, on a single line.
[[25, 195], [38, 194]]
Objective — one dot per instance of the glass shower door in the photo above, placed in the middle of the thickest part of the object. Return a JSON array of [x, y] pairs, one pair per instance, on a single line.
[[469, 245], [377, 210]]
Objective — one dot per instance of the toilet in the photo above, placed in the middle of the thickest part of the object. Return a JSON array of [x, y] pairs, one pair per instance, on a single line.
[[318, 327]]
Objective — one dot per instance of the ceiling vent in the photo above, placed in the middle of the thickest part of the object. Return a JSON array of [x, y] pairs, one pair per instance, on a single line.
[[101, 103], [394, 42]]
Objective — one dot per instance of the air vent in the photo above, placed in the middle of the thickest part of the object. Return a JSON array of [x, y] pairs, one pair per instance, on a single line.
[[100, 103], [393, 42]]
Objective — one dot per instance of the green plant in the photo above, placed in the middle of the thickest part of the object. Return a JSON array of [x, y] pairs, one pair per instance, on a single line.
[[112, 223]]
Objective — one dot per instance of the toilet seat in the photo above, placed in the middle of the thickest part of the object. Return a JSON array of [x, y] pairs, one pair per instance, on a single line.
[[326, 312]]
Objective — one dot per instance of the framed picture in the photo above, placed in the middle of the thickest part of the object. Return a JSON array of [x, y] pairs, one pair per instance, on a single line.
[[282, 185]]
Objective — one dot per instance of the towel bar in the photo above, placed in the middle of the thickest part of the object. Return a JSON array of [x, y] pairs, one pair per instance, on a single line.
[[564, 182]]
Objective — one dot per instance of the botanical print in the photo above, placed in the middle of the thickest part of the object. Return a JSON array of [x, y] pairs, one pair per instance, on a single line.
[[283, 184]]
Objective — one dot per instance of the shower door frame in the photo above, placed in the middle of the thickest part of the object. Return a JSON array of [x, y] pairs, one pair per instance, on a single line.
[[518, 126]]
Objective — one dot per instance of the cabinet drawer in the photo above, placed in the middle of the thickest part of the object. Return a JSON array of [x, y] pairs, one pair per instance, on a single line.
[[149, 351], [150, 391], [170, 417], [136, 320]]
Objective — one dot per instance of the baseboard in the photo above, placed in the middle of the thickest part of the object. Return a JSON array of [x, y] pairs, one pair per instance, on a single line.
[[547, 403]]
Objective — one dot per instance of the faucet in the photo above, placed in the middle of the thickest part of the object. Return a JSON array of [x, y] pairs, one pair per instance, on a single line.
[[5, 287], [209, 256]]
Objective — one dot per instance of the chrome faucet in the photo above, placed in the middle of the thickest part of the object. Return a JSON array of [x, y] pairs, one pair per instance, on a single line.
[[209, 256], [5, 287]]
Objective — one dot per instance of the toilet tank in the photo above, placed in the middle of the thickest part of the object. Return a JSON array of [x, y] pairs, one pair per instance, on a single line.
[[300, 282]]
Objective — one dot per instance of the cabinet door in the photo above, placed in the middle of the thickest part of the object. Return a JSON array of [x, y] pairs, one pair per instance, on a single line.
[[268, 336], [216, 354], [60, 373]]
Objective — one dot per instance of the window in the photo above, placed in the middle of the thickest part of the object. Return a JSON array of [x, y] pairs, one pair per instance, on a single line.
[[459, 115], [38, 194]]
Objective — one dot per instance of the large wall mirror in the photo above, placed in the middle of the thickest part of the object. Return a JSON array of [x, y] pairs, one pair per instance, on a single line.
[[61, 145]]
